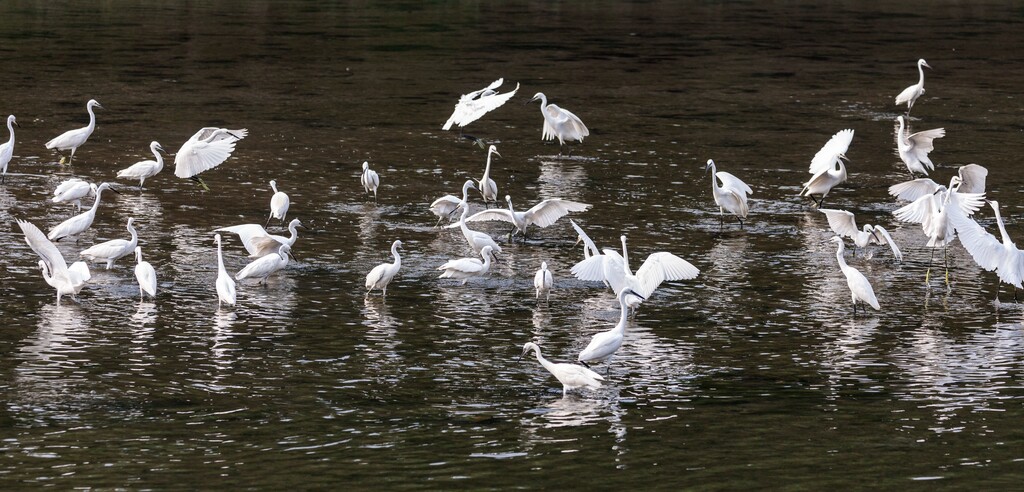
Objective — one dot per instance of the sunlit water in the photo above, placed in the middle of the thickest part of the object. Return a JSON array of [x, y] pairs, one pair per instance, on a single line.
[[754, 375]]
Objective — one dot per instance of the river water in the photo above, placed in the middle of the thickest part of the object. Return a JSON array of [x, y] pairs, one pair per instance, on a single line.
[[754, 375]]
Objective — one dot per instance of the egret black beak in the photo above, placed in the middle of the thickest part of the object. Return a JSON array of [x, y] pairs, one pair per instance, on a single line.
[[16, 123], [111, 188], [233, 135]]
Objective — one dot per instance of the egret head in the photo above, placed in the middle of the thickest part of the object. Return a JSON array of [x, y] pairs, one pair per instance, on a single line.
[[508, 198], [842, 156], [216, 239], [397, 243], [528, 347], [539, 95], [921, 62], [10, 119], [131, 220], [366, 165], [468, 186], [273, 184], [955, 182], [543, 265], [493, 150], [93, 103], [486, 252], [836, 239], [899, 119], [42, 265], [710, 164], [296, 223], [106, 186], [138, 253], [285, 252]]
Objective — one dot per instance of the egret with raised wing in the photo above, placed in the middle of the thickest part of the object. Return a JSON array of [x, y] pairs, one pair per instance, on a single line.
[[478, 103], [990, 253], [827, 168], [64, 279], [258, 242], [476, 239], [543, 214], [972, 180], [614, 268], [844, 224], [205, 150], [914, 149], [266, 265]]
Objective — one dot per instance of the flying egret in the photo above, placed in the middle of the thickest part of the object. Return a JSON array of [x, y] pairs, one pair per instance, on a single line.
[[81, 221], [73, 191], [111, 251], [266, 265], [559, 123], [145, 274], [614, 268], [476, 239], [7, 148], [205, 150], [910, 94], [572, 376], [278, 204], [844, 224], [478, 103], [145, 169], [225, 284], [258, 242], [972, 180], [445, 207], [66, 280], [542, 281], [488, 188], [990, 253], [370, 180], [914, 148], [542, 214], [383, 274], [467, 268], [604, 345], [860, 288], [827, 168], [731, 195], [73, 139]]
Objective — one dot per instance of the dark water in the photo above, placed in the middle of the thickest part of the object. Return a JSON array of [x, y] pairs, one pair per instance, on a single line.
[[754, 375]]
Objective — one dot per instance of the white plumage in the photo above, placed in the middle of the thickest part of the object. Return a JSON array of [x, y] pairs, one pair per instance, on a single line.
[[370, 180], [571, 376], [73, 139], [478, 103], [266, 265], [225, 284], [64, 279], [73, 191], [972, 180], [614, 269], [488, 188], [145, 274], [604, 344], [111, 251], [258, 242], [476, 239], [543, 214], [7, 148], [445, 207], [145, 169], [81, 221], [467, 268], [560, 123], [827, 168], [383, 274], [205, 150], [279, 203], [914, 149], [990, 253], [844, 224], [731, 195], [860, 288], [543, 281], [910, 94]]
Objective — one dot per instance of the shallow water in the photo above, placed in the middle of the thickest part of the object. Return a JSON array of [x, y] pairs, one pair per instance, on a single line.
[[755, 374]]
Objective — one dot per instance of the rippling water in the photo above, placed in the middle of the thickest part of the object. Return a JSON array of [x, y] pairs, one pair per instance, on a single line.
[[754, 375]]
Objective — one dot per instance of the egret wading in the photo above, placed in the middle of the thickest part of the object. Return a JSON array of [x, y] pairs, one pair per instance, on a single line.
[[488, 188], [146, 275], [225, 284], [82, 221], [572, 376], [542, 281], [860, 288], [67, 281], [145, 169], [258, 242], [7, 148], [731, 195], [73, 191], [279, 203], [370, 180], [910, 94], [73, 139], [383, 274], [560, 123], [111, 251], [604, 345]]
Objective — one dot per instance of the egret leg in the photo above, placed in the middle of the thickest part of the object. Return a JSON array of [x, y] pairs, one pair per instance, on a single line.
[[268, 221], [927, 273], [945, 260]]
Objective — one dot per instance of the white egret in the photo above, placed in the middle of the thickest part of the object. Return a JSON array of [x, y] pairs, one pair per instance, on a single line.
[[488, 188], [145, 169], [914, 149], [910, 94], [7, 148], [383, 274], [73, 139], [614, 268], [205, 150], [145, 274], [467, 268], [572, 376], [476, 239], [731, 195], [542, 281], [972, 180], [73, 191], [370, 180], [266, 265], [604, 345], [542, 214], [589, 248], [990, 253], [445, 207], [827, 168], [80, 222], [225, 284], [66, 280], [278, 204], [478, 103], [258, 242], [560, 123], [860, 288], [111, 251], [844, 224]]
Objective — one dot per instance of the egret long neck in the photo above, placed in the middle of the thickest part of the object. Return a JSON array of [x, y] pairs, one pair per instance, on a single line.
[[543, 104], [96, 202], [840, 258], [135, 235], [625, 257], [293, 229], [1002, 227], [394, 252], [714, 184], [487, 169], [92, 118], [920, 77], [220, 259], [544, 362], [623, 314], [10, 129]]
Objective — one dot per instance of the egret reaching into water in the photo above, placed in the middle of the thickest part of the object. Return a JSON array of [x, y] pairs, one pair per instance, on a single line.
[[383, 274], [914, 148], [145, 169], [111, 251], [972, 180], [278, 204], [73, 191], [731, 195], [910, 94], [572, 376], [488, 188], [266, 265], [145, 274], [542, 214], [7, 148], [258, 242], [604, 345], [81, 221], [478, 103], [467, 268], [66, 280], [370, 180], [73, 139], [225, 284], [542, 281], [990, 253], [560, 123], [844, 224], [827, 168], [476, 239], [445, 207], [614, 269], [860, 288], [207, 149]]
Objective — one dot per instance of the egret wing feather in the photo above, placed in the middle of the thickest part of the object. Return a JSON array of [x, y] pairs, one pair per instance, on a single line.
[[972, 179], [887, 239], [841, 222], [491, 214], [661, 267], [45, 248], [590, 269], [729, 181], [914, 189], [549, 211], [826, 157]]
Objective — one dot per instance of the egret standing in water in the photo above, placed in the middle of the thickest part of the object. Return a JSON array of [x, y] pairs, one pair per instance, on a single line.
[[56, 272], [81, 221], [7, 148], [266, 265], [910, 94], [604, 345], [111, 251], [278, 204], [731, 195], [844, 224], [478, 103], [205, 150], [145, 169], [914, 149], [146, 276], [73, 139], [571, 376], [73, 191], [466, 268], [476, 239], [258, 242], [827, 168], [860, 288], [488, 188], [542, 281], [560, 123], [383, 274], [370, 180], [225, 285]]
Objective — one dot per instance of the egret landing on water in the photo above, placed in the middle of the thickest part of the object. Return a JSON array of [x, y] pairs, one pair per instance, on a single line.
[[860, 288], [542, 281], [731, 195], [64, 279], [910, 94], [258, 242], [571, 376], [467, 268], [478, 103], [383, 274], [827, 168], [145, 169], [111, 251], [146, 276], [73, 191], [73, 139], [559, 123], [81, 221], [844, 224], [542, 214], [488, 188], [370, 180], [225, 285], [205, 150], [604, 345], [278, 204], [990, 253], [7, 148], [914, 149]]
